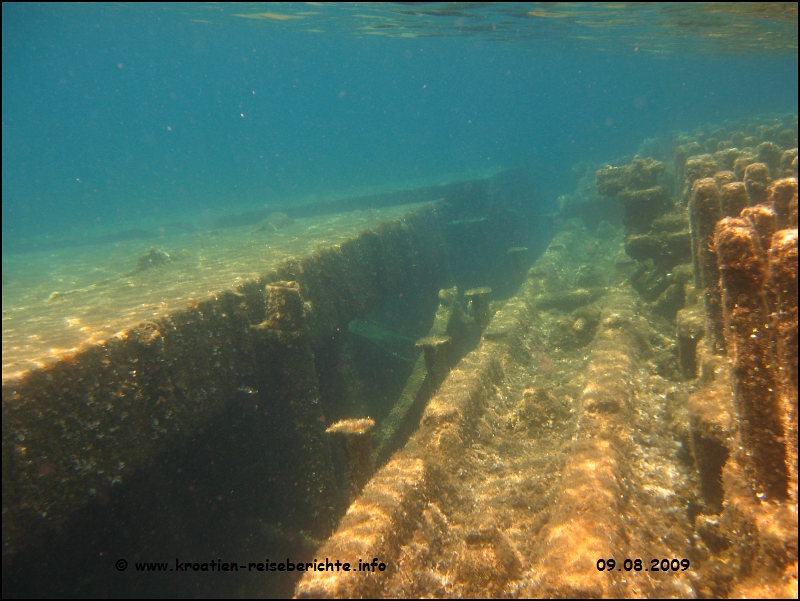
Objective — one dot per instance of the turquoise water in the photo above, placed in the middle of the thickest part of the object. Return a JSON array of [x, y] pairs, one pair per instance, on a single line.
[[117, 113], [185, 124]]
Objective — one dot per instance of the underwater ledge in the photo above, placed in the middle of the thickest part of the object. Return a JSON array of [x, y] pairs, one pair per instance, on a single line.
[[564, 457], [77, 424]]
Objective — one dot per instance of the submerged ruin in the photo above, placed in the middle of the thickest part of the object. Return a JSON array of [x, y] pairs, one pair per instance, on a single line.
[[614, 417]]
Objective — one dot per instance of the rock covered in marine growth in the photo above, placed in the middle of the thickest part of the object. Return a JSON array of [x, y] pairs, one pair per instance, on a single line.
[[479, 304], [656, 230], [789, 163], [782, 196], [357, 448], [756, 178], [697, 167], [733, 197], [744, 280], [782, 285], [636, 187], [705, 210], [435, 349]]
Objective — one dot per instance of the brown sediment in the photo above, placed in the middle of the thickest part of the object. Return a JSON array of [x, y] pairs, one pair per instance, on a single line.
[[783, 285], [704, 212], [744, 273]]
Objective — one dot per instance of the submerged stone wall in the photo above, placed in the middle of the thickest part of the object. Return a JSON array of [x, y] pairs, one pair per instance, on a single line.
[[740, 182], [543, 452], [75, 431], [606, 425]]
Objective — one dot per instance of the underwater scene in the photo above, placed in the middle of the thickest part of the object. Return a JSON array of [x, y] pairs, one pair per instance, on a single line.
[[399, 300]]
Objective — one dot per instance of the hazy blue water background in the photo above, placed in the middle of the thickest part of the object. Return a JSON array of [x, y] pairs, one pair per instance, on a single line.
[[111, 114]]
